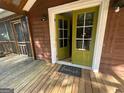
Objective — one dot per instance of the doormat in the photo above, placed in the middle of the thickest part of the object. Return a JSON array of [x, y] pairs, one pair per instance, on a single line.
[[74, 71]]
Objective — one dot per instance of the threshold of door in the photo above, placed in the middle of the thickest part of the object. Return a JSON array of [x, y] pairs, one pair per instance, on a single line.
[[74, 65], [67, 60]]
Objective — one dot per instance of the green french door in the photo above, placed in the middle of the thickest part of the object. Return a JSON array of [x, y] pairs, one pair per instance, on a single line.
[[62, 36], [83, 35]]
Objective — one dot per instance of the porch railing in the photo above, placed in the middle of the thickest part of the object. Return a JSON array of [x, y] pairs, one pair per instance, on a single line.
[[7, 47]]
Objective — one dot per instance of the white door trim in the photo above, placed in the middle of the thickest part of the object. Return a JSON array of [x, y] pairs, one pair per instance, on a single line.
[[75, 65], [102, 18]]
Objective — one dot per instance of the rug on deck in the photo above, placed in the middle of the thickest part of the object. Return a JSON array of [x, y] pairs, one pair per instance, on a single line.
[[74, 71]]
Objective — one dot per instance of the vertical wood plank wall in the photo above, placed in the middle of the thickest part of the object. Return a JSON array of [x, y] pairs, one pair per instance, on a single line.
[[113, 49], [40, 29], [41, 38]]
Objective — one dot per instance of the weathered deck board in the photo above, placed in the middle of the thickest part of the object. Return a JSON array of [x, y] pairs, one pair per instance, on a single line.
[[94, 83], [58, 84], [26, 76], [34, 76], [53, 82], [64, 84]]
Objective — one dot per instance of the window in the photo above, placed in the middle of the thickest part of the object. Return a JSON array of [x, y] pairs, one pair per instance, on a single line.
[[25, 28], [19, 33], [3, 32], [84, 30], [9, 29], [63, 33]]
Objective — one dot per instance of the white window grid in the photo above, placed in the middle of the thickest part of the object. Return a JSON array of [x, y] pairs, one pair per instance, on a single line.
[[83, 36], [63, 29]]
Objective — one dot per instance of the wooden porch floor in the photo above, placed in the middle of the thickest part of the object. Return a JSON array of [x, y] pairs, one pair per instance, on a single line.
[[28, 76]]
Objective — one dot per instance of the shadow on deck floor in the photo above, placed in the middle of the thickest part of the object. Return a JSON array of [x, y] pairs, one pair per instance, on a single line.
[[34, 76]]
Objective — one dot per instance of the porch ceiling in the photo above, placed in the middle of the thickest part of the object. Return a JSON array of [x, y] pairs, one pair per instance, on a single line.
[[13, 5]]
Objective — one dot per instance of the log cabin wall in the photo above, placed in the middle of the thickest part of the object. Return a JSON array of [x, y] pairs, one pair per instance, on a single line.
[[40, 29], [113, 49]]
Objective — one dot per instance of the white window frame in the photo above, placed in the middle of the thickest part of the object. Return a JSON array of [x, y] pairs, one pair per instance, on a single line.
[[81, 4]]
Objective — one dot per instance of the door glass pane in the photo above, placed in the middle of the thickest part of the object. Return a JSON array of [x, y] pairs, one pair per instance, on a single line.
[[84, 30], [60, 23], [65, 24], [61, 43], [86, 44], [65, 42], [65, 34], [79, 32], [80, 20], [79, 44], [60, 33], [19, 32], [88, 32], [89, 19]]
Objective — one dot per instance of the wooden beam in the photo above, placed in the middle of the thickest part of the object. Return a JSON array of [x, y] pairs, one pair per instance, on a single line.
[[8, 5], [22, 4]]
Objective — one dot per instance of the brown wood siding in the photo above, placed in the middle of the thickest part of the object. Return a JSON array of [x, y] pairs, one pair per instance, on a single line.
[[41, 38], [113, 49], [40, 29]]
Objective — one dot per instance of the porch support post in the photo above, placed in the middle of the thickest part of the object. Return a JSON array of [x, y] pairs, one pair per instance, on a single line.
[[52, 37]]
